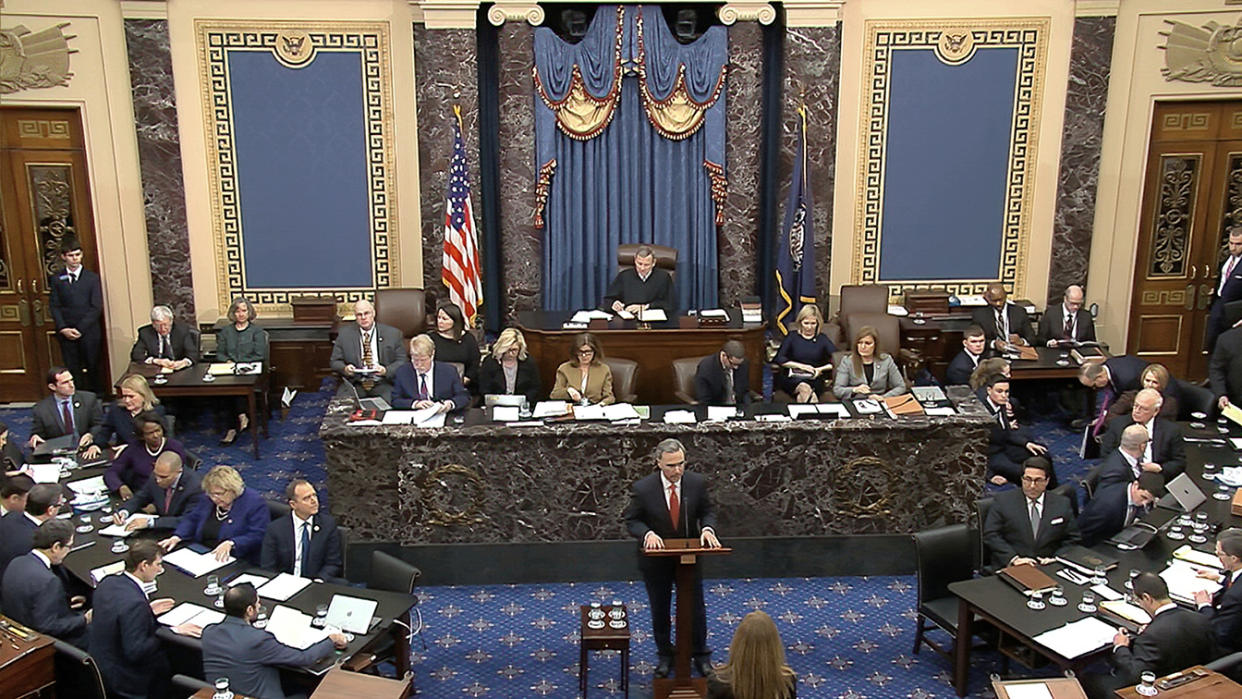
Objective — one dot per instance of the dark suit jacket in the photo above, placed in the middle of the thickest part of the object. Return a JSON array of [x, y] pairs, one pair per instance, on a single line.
[[246, 524], [1232, 291], [1112, 469], [348, 350], [1174, 640], [1052, 325], [16, 531], [1225, 366], [79, 305], [1007, 531], [1019, 323], [1126, 372], [1005, 441], [187, 494], [1168, 446], [324, 557], [446, 385], [1105, 514], [656, 292], [648, 511], [527, 383], [249, 657], [181, 338], [118, 426], [122, 639], [709, 382], [1225, 613], [960, 369], [87, 415], [35, 596]]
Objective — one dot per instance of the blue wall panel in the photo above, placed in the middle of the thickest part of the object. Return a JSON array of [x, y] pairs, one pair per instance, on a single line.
[[301, 144], [947, 154]]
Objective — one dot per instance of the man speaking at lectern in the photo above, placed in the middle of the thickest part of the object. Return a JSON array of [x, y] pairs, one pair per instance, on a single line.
[[671, 504]]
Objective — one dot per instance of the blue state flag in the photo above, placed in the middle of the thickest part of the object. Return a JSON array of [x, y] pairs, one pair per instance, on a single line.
[[795, 255]]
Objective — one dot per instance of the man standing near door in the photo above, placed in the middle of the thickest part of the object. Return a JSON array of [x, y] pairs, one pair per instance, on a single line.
[[75, 299], [1228, 288]]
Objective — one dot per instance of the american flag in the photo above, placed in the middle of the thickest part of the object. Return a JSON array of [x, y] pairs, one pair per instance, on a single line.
[[460, 269]]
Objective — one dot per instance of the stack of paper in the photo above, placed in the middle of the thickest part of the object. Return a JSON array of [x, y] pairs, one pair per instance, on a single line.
[[720, 413], [195, 564], [1184, 581], [1192, 555], [652, 315], [588, 316], [550, 408], [505, 413], [293, 628], [1077, 638], [946, 411], [283, 586], [680, 417], [589, 412], [620, 411], [187, 613], [714, 313], [119, 530], [45, 473], [898, 310], [1127, 611], [866, 406], [88, 485]]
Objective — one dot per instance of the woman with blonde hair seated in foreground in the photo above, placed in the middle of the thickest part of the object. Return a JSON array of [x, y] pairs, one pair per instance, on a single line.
[[756, 667]]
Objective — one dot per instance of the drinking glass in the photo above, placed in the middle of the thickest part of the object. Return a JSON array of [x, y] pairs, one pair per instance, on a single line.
[[1147, 684], [222, 689], [1036, 600], [213, 585], [1087, 606]]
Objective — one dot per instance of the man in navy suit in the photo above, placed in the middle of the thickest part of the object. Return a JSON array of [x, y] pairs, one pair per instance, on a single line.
[[1165, 452], [250, 657], [1009, 444], [673, 503], [723, 378], [171, 492], [66, 411], [1004, 323], [1117, 506], [306, 541], [1228, 289], [1109, 379], [1010, 532], [122, 633], [75, 300], [43, 502], [33, 592], [1225, 609], [423, 382], [1067, 321], [964, 363], [1123, 464]]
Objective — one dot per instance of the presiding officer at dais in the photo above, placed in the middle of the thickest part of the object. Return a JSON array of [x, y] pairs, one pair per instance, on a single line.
[[232, 520], [645, 286], [585, 375], [423, 382]]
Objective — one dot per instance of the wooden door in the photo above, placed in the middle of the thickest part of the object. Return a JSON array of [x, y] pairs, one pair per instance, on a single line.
[[1192, 195], [44, 199]]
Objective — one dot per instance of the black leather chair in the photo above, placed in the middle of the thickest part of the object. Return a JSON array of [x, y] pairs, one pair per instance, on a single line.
[[192, 460], [943, 556], [683, 379], [982, 505], [666, 257], [1230, 666], [77, 675], [392, 574], [1193, 398], [624, 379], [277, 509], [1069, 490]]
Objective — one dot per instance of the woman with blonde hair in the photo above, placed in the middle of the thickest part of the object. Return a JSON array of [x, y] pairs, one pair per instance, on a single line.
[[1154, 376], [120, 419], [756, 667], [585, 375], [868, 371], [805, 357], [988, 368], [231, 520], [508, 370]]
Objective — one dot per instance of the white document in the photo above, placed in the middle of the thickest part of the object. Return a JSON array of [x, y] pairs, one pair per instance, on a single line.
[[195, 564], [188, 613], [293, 628], [1127, 611], [1236, 442], [436, 420], [590, 315], [283, 586], [720, 413], [946, 411], [504, 413], [620, 411], [837, 409], [770, 418], [104, 571], [118, 530], [972, 300], [1078, 638], [1028, 690], [1183, 581], [796, 409], [1106, 593], [714, 313], [45, 473], [897, 310], [550, 408], [680, 417], [1191, 555], [398, 417], [1230, 476], [866, 406], [88, 485], [256, 580], [589, 412], [652, 315], [625, 315]]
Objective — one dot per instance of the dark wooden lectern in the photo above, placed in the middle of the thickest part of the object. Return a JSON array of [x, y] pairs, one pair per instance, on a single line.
[[687, 551]]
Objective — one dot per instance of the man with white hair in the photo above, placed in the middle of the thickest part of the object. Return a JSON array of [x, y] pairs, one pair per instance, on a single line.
[[367, 355], [1166, 451], [1067, 321], [164, 342]]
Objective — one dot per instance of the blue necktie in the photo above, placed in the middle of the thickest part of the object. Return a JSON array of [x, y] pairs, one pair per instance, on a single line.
[[305, 548]]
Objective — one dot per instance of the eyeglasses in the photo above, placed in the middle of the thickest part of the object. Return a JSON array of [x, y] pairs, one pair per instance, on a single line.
[[585, 352], [1027, 479]]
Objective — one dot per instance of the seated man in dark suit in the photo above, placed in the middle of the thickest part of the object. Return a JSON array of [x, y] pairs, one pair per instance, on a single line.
[[13, 493], [1011, 534], [250, 658], [1009, 445], [1004, 323], [1166, 449], [367, 355], [306, 541], [1225, 609], [169, 493], [1175, 639], [1225, 368], [645, 286], [164, 342], [66, 411], [43, 502], [1123, 464], [964, 363], [1117, 506], [32, 592], [723, 378], [1066, 322], [423, 382]]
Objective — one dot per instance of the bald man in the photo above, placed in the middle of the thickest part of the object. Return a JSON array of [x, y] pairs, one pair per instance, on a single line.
[[1066, 322], [1003, 323], [367, 354]]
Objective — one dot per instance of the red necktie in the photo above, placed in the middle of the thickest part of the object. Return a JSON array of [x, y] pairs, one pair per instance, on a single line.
[[674, 506], [67, 415], [1233, 261], [168, 500], [422, 387]]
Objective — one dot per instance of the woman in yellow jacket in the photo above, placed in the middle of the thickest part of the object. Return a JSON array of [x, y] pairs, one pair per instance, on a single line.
[[585, 374]]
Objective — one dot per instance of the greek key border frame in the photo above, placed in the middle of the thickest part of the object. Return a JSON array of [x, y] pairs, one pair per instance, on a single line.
[[1030, 36], [215, 38]]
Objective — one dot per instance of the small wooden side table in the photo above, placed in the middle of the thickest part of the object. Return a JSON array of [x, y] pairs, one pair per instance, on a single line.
[[342, 684], [607, 638], [27, 662]]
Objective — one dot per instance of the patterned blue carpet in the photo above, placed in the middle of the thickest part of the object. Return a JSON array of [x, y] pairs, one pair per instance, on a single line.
[[845, 637]]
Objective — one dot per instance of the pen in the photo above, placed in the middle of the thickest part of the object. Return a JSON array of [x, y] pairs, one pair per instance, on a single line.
[[83, 545]]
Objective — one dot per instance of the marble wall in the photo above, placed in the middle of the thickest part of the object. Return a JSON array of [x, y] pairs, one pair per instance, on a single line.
[[812, 73], [159, 156], [446, 73], [738, 239], [1080, 153], [521, 242]]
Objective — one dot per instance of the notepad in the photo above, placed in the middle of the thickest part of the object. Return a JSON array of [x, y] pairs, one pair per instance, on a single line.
[[550, 408], [620, 411], [1078, 638], [680, 417], [293, 628], [720, 413], [102, 572], [118, 530], [189, 613], [45, 473], [505, 413], [652, 315], [88, 485], [195, 564], [589, 412], [1191, 555], [283, 586], [1126, 611], [1184, 581]]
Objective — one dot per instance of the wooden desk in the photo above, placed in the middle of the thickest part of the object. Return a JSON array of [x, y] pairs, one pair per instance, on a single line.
[[1058, 687], [342, 684], [189, 383], [1212, 685], [26, 666], [209, 693], [653, 349]]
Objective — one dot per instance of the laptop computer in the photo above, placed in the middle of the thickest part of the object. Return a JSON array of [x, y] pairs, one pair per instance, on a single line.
[[65, 444], [351, 614], [377, 404], [1183, 494]]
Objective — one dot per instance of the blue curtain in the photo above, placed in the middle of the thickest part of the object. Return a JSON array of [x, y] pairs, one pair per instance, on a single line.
[[624, 181]]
